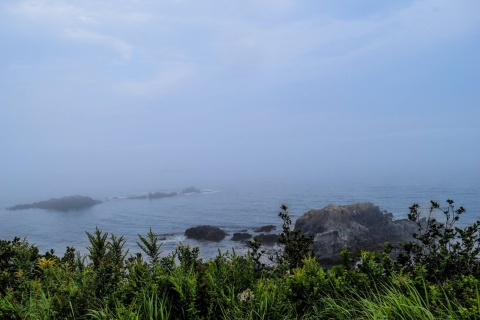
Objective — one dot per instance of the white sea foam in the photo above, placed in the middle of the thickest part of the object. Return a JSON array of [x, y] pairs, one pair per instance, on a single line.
[[175, 238]]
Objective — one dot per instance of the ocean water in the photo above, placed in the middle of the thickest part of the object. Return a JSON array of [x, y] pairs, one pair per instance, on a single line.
[[231, 206]]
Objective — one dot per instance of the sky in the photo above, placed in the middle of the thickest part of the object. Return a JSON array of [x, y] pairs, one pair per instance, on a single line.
[[143, 94]]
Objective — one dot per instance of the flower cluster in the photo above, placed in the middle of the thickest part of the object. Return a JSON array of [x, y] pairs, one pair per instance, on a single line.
[[46, 263], [246, 295]]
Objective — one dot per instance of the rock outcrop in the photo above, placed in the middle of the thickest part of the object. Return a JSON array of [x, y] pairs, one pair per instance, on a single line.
[[358, 226], [239, 236], [265, 228], [62, 204], [159, 195], [191, 190], [138, 197], [268, 239], [206, 232], [154, 195]]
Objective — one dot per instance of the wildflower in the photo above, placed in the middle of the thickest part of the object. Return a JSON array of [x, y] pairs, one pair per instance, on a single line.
[[18, 273], [45, 264], [246, 295]]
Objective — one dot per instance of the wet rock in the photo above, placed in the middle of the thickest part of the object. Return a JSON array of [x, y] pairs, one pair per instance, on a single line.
[[358, 226], [267, 239], [265, 228], [239, 236], [209, 233], [164, 236]]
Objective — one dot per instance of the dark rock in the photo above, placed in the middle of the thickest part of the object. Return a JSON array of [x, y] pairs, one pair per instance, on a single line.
[[358, 226], [138, 197], [209, 233], [268, 239], [265, 228], [62, 204], [159, 195], [191, 190], [163, 236], [238, 236]]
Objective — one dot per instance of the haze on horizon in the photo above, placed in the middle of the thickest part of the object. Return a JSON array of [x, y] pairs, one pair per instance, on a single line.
[[137, 94]]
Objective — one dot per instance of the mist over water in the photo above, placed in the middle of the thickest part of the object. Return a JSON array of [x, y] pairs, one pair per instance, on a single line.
[[235, 206]]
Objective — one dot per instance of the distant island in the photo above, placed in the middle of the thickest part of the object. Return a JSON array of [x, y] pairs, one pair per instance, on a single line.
[[160, 195], [62, 204], [81, 202], [155, 195], [191, 190]]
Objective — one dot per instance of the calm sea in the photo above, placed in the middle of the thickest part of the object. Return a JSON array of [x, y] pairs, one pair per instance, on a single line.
[[232, 206]]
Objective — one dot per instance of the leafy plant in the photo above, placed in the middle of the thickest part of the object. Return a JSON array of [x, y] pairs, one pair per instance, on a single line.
[[256, 254], [98, 247], [107, 257], [441, 248], [150, 246], [188, 257], [295, 246]]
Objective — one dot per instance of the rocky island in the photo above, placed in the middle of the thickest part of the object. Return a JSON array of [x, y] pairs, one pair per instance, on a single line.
[[61, 204], [239, 236], [206, 232], [191, 190], [160, 195], [359, 226]]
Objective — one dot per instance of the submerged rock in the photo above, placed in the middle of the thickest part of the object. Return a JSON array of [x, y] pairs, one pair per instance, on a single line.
[[358, 226], [268, 239], [163, 236], [62, 204], [209, 233], [138, 197], [239, 236], [268, 228]]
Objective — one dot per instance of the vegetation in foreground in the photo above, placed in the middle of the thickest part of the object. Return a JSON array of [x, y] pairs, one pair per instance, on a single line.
[[436, 277]]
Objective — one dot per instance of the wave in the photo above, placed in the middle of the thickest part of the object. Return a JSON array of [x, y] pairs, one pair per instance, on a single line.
[[204, 191], [174, 238]]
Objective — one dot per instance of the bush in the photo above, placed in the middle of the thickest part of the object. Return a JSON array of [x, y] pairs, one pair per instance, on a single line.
[[443, 249], [295, 246]]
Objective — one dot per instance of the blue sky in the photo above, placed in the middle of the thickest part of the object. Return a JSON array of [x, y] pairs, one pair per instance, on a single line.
[[156, 93]]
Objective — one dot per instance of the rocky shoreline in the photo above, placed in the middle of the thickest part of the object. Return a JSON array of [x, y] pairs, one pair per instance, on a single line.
[[360, 226]]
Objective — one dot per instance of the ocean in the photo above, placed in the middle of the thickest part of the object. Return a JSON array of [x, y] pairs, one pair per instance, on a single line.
[[234, 207]]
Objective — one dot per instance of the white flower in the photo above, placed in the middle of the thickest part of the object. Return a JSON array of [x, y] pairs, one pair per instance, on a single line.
[[246, 295]]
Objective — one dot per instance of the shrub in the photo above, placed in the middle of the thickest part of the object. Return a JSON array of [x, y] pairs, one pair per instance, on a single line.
[[150, 246], [295, 246], [443, 249]]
